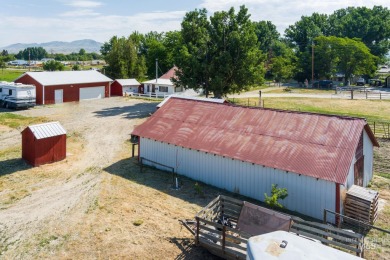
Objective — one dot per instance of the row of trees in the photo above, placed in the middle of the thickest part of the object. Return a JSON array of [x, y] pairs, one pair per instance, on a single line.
[[227, 52], [38, 53]]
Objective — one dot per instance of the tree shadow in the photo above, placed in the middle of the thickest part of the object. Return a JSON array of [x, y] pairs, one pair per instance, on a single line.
[[13, 165], [139, 110]]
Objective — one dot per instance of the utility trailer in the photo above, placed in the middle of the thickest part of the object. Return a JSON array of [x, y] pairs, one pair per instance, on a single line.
[[224, 227], [17, 95]]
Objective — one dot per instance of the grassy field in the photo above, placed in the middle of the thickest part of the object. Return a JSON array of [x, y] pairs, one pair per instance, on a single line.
[[10, 74], [372, 110], [17, 121]]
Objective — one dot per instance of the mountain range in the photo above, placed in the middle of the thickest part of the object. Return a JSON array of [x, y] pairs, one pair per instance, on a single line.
[[58, 46]]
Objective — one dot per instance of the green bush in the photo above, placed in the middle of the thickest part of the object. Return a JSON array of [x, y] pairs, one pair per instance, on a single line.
[[276, 195]]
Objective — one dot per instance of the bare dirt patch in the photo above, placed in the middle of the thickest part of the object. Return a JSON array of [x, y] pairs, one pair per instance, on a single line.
[[95, 203]]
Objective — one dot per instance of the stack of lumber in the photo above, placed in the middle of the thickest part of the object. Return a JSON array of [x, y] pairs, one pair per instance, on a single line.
[[362, 204]]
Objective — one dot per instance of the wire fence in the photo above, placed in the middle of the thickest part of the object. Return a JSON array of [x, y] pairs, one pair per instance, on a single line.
[[376, 241]]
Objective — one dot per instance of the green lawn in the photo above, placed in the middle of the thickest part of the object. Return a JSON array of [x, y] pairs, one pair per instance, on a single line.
[[10, 74]]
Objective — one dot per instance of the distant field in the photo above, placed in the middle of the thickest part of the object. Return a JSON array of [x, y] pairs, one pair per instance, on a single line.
[[10, 75], [372, 110]]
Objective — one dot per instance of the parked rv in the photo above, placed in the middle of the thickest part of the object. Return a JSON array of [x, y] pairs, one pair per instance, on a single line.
[[17, 95]]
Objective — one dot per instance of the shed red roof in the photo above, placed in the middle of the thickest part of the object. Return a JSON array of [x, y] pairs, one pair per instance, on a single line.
[[316, 145], [170, 74]]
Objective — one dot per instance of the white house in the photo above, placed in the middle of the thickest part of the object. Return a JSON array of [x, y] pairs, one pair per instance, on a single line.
[[163, 85], [245, 150]]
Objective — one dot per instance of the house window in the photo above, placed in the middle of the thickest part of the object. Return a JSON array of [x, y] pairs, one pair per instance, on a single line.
[[10, 92], [163, 89]]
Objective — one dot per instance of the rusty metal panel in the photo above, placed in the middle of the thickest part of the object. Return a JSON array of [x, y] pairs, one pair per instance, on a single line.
[[316, 145]]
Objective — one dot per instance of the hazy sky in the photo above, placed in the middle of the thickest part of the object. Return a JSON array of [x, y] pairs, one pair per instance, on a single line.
[[37, 21]]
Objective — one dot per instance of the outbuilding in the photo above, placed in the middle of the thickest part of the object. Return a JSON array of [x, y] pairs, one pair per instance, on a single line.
[[44, 143], [53, 87], [163, 85], [245, 150], [125, 87]]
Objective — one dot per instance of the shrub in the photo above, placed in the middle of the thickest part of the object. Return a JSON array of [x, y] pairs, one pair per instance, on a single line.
[[276, 195]]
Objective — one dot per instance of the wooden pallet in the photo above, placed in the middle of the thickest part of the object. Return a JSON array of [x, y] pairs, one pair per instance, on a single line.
[[362, 204]]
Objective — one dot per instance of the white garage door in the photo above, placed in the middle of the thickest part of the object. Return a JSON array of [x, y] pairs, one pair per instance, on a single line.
[[91, 93]]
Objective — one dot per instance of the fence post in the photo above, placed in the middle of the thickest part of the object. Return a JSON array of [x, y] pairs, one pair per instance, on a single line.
[[223, 237], [351, 93], [197, 231], [324, 216], [366, 95], [380, 95]]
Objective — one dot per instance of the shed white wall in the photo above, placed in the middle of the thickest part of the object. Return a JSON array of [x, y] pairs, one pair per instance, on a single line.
[[368, 152], [129, 89], [307, 195]]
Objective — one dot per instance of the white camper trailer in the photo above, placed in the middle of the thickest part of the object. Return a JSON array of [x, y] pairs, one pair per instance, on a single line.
[[17, 95]]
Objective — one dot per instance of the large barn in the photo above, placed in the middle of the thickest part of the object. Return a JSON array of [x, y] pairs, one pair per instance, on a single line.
[[246, 150], [66, 86]]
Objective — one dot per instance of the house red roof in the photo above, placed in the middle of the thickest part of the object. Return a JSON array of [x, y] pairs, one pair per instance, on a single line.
[[316, 145], [170, 74]]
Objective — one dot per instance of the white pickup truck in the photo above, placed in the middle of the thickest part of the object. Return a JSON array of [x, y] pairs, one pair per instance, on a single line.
[[17, 95]]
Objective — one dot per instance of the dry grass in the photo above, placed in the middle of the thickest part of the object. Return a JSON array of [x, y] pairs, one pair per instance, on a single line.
[[372, 110], [18, 121]]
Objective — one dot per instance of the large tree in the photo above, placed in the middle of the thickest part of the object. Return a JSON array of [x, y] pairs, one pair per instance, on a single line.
[[372, 26], [32, 53], [349, 56], [123, 58], [220, 54], [303, 32]]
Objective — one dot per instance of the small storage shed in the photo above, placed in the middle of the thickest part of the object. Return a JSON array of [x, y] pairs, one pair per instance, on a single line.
[[125, 87], [245, 150], [44, 143]]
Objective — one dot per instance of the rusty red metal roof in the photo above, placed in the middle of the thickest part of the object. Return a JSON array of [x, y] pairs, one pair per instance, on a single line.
[[316, 145], [170, 74]]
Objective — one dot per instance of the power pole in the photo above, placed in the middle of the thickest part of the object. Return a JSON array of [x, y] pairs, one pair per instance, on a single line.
[[29, 61], [156, 69], [312, 63]]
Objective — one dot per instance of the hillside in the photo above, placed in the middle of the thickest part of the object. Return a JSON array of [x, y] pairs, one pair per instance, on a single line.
[[58, 46]]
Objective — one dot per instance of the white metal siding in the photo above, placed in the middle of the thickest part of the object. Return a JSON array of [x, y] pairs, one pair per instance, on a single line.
[[307, 195], [368, 151], [92, 93]]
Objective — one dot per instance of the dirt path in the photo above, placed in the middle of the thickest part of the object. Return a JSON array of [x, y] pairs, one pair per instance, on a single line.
[[98, 132]]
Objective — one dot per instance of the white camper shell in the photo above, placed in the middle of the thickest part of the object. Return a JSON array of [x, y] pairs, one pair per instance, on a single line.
[[17, 95]]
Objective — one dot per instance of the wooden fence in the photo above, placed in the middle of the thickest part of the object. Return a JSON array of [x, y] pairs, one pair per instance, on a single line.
[[380, 129]]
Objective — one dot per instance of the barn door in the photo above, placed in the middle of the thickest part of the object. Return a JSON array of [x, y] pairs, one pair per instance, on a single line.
[[359, 170]]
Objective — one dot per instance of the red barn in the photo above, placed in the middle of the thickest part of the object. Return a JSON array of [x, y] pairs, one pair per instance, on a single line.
[[125, 87], [53, 87], [44, 143]]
